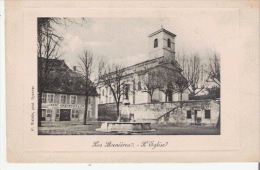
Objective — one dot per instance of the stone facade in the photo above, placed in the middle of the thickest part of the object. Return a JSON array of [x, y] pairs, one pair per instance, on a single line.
[[199, 112], [67, 107], [165, 41]]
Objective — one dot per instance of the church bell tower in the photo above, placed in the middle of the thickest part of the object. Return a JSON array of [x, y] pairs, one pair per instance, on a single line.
[[162, 43]]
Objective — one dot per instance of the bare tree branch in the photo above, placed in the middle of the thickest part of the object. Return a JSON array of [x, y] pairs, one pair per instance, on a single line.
[[213, 70], [86, 66], [112, 77]]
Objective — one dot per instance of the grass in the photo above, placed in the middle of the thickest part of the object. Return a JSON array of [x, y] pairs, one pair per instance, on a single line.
[[77, 128]]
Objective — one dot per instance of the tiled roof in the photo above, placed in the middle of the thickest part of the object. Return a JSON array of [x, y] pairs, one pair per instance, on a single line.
[[64, 80], [162, 30]]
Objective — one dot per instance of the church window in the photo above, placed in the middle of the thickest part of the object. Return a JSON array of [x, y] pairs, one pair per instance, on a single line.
[[155, 43], [169, 43], [139, 85], [106, 91], [127, 91], [188, 114]]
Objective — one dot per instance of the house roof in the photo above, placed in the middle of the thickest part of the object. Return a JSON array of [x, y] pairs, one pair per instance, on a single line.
[[64, 80], [55, 63], [78, 92]]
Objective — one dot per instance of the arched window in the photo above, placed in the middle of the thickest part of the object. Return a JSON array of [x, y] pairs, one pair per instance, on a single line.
[[127, 87], [155, 43], [169, 43], [139, 85]]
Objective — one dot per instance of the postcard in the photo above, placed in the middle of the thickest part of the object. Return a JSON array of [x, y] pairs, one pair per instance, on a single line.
[[132, 82]]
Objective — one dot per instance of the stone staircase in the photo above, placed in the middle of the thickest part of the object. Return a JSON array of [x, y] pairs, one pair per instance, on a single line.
[[163, 119], [151, 114]]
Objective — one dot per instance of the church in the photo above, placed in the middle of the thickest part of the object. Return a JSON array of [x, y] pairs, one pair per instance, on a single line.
[[158, 79]]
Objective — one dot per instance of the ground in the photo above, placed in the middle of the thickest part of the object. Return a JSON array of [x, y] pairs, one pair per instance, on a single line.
[[77, 128]]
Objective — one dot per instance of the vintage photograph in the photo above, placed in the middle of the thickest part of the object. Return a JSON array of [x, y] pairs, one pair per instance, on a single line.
[[129, 76], [132, 82]]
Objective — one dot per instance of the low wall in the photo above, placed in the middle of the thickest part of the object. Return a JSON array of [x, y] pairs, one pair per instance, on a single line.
[[146, 111], [152, 111], [107, 112]]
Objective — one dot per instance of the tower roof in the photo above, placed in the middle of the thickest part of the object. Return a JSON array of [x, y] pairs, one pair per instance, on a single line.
[[162, 30]]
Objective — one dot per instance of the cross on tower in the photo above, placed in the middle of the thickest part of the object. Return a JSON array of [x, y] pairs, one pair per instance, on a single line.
[[161, 23]]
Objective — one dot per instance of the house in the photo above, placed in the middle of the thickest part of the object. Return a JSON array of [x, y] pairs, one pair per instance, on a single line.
[[63, 97], [161, 73]]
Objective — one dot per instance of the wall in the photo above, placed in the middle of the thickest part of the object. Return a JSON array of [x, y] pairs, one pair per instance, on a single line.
[[179, 116], [168, 51], [152, 111], [108, 111], [53, 109], [177, 96], [156, 52]]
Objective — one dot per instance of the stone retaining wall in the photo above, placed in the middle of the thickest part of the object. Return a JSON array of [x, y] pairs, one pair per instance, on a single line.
[[152, 111]]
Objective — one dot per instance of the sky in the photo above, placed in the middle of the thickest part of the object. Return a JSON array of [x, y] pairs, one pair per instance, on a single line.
[[125, 40]]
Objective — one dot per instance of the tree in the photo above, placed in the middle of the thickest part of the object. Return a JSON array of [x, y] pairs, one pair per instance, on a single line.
[[161, 77], [86, 70], [151, 81], [193, 71], [48, 43], [181, 85], [168, 76], [167, 85], [214, 91], [112, 76], [214, 74], [214, 69]]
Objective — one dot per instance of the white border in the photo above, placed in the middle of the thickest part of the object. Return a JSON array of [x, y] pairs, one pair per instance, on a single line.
[[2, 88]]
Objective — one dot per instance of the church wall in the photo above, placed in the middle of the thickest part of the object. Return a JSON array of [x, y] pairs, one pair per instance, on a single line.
[[158, 96], [138, 96], [106, 95], [177, 96], [165, 37], [185, 96], [141, 97], [155, 52]]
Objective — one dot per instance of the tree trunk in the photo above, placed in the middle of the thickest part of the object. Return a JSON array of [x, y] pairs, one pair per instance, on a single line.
[[117, 109], [40, 108], [181, 100], [86, 111], [151, 96], [218, 123]]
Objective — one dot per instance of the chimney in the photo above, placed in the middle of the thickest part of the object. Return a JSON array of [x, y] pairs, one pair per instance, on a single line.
[[75, 68]]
